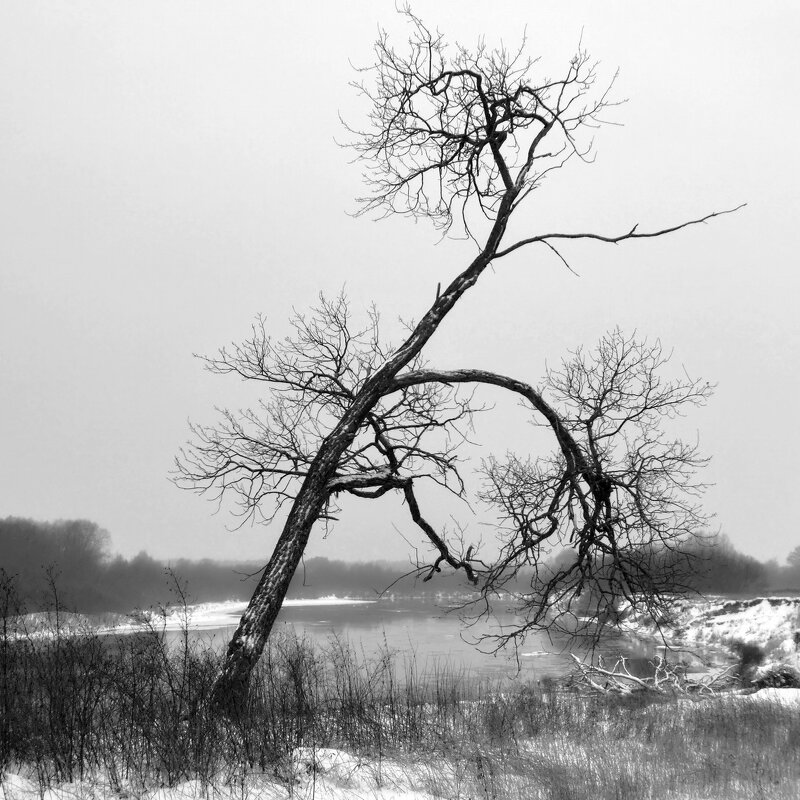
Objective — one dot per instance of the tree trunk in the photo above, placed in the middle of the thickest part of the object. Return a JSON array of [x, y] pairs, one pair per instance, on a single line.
[[247, 644]]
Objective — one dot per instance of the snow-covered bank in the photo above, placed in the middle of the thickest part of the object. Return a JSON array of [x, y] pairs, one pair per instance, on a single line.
[[194, 617], [210, 616], [771, 624]]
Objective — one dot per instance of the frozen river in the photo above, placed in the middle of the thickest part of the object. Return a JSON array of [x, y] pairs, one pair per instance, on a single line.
[[424, 629]]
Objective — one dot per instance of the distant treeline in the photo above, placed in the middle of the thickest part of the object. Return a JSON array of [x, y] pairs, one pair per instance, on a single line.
[[720, 569], [73, 559]]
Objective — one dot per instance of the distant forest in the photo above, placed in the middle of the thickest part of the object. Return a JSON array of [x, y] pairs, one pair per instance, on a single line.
[[72, 558]]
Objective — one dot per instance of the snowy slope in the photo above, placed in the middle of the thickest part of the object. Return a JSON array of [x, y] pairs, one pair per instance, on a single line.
[[771, 623]]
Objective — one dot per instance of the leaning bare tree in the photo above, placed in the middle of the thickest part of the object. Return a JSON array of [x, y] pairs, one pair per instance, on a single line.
[[461, 138]]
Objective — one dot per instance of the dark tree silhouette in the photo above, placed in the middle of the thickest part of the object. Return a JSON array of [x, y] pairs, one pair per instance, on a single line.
[[460, 137]]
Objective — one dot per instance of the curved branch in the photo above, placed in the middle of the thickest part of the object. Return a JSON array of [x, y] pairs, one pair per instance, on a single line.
[[574, 455]]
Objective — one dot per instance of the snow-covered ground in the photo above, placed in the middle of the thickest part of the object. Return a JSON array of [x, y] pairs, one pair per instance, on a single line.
[[321, 774]]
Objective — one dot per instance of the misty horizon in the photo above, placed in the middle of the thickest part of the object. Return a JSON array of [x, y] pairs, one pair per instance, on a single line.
[[76, 560]]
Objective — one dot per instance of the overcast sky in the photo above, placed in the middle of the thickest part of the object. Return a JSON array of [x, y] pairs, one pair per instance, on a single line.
[[170, 170]]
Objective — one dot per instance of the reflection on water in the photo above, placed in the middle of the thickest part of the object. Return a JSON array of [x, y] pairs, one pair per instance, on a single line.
[[429, 633]]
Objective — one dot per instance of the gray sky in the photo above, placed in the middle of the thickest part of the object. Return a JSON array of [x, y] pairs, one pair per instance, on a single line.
[[169, 170]]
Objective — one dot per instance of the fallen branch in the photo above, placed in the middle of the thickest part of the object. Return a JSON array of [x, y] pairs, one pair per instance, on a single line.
[[666, 677]]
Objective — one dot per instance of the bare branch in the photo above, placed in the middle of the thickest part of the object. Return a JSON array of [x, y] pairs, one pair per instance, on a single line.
[[262, 456], [445, 553], [545, 238], [453, 131]]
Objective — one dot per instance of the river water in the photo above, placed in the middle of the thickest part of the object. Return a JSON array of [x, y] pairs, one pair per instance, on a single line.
[[426, 630]]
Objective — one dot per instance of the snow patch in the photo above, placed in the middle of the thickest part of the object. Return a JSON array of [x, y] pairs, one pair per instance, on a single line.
[[321, 774], [15, 787], [784, 697]]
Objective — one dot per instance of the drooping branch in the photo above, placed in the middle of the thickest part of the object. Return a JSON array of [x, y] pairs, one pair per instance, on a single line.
[[445, 553], [617, 494]]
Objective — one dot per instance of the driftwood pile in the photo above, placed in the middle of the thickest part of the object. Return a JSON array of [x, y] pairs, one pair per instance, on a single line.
[[666, 678]]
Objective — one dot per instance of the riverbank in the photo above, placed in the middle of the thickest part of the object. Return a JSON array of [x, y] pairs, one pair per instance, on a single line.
[[760, 634], [704, 635]]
